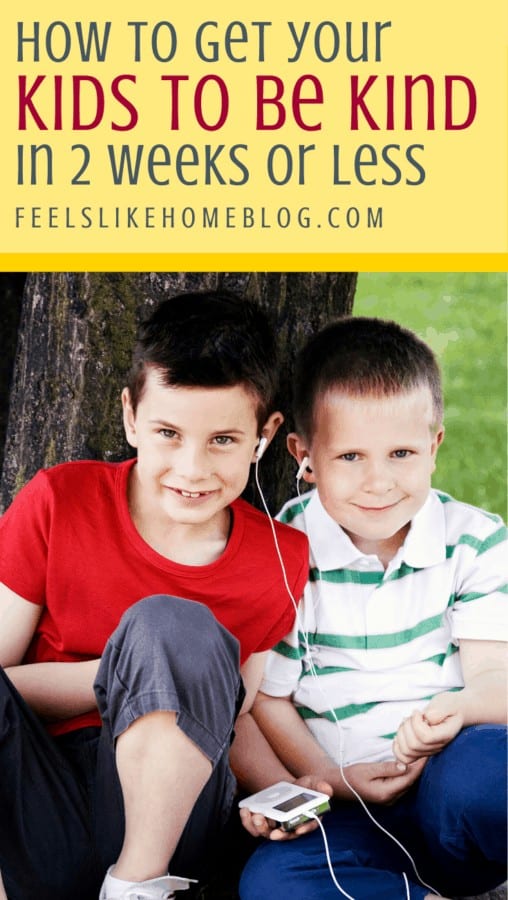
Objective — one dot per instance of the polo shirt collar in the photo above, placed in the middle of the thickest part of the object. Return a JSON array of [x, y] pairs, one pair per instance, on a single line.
[[331, 548], [425, 543]]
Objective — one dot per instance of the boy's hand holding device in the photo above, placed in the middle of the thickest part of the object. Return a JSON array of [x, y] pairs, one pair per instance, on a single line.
[[283, 811]]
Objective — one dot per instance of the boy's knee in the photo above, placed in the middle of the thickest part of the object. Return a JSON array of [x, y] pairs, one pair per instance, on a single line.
[[165, 640], [170, 654], [177, 625], [161, 611]]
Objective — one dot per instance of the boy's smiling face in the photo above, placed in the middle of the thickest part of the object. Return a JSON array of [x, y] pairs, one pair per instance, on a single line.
[[194, 450], [372, 459]]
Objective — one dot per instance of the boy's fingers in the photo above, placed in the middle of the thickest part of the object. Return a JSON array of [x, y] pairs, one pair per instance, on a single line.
[[255, 824], [315, 784], [414, 735], [409, 746], [404, 758], [407, 749], [389, 790], [393, 769], [415, 768], [418, 729], [278, 834], [405, 738], [440, 709]]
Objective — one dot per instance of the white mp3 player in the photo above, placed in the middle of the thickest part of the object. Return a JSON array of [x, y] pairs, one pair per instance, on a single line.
[[287, 804]]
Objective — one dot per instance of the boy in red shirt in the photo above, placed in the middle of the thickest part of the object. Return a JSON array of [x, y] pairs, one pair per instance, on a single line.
[[116, 712]]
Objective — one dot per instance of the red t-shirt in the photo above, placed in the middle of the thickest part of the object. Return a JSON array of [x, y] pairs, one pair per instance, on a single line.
[[68, 543]]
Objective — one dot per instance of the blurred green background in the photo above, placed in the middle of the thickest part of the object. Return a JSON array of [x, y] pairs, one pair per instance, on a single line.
[[462, 316]]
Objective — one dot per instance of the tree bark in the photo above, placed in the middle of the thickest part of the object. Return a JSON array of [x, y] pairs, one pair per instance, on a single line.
[[74, 346], [11, 294]]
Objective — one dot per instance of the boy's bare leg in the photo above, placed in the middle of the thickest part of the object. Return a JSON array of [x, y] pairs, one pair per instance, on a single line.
[[3, 895], [162, 773]]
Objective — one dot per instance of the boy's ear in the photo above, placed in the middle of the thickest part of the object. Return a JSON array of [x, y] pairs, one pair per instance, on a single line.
[[437, 440], [269, 430], [297, 448], [129, 418]]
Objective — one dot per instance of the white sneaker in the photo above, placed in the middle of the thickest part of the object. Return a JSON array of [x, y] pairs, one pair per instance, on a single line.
[[154, 889]]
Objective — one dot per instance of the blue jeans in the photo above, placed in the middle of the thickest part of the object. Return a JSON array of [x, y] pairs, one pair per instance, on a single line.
[[61, 807], [452, 822]]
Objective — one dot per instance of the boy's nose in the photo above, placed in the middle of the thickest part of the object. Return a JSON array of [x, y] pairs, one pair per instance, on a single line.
[[192, 464], [378, 479]]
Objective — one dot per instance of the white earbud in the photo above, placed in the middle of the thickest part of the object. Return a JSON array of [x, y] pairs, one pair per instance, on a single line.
[[261, 447], [303, 465]]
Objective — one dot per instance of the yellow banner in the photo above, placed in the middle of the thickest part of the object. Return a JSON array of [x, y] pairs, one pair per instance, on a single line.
[[311, 137]]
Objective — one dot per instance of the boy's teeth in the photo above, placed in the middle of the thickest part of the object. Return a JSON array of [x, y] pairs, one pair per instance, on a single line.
[[190, 494]]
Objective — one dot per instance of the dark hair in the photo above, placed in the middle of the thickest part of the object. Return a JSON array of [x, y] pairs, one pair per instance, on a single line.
[[360, 356], [208, 339]]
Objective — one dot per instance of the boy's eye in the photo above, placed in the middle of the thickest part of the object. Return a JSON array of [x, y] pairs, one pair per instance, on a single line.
[[401, 454], [349, 457], [167, 433], [223, 440]]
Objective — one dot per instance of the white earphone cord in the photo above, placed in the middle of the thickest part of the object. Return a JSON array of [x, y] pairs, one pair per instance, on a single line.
[[331, 709]]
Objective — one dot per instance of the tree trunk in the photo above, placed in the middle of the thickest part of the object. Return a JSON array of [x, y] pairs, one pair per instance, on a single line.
[[11, 294], [74, 346]]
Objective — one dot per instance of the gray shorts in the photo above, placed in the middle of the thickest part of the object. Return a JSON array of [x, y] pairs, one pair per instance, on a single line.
[[61, 808]]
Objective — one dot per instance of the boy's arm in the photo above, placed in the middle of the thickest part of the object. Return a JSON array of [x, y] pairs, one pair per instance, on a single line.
[[56, 690], [18, 621], [52, 690], [485, 669], [294, 744], [254, 762], [483, 699]]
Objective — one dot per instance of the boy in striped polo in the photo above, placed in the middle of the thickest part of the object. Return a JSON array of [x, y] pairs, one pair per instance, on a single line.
[[392, 681]]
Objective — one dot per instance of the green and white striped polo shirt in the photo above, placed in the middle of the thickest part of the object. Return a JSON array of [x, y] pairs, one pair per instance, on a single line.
[[384, 642]]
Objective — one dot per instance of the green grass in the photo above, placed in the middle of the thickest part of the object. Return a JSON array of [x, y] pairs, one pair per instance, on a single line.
[[463, 318]]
